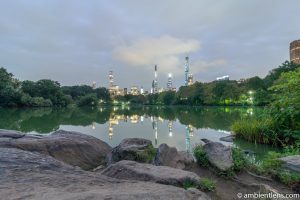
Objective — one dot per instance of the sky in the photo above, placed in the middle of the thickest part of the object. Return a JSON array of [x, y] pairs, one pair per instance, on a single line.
[[77, 42]]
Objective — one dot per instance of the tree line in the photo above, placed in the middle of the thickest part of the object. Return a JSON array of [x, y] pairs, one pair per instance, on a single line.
[[47, 93], [252, 91]]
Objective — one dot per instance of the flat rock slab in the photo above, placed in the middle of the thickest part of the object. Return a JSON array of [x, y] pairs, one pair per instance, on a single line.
[[228, 138], [169, 156], [30, 175], [131, 170], [291, 163], [73, 148], [10, 134], [219, 155]]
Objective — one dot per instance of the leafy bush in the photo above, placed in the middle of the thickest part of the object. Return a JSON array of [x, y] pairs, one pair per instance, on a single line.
[[201, 156], [147, 155], [189, 184], [239, 160], [207, 184]]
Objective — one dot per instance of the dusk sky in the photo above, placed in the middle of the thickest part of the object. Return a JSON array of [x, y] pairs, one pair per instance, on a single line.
[[78, 42]]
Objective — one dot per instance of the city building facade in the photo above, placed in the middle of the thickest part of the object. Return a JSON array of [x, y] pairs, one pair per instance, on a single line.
[[295, 51]]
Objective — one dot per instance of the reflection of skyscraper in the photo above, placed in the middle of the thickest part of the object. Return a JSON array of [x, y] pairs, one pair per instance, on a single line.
[[155, 127], [187, 139], [110, 131], [191, 130], [94, 125], [170, 126]]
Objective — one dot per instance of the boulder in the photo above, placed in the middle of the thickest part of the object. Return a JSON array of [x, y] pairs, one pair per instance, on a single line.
[[136, 149], [10, 134], [72, 148], [31, 175], [291, 163], [169, 156], [219, 155], [228, 138], [131, 170]]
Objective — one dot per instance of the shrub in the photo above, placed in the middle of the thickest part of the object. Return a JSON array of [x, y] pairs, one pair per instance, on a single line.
[[147, 155], [201, 156], [189, 184], [207, 184], [239, 159]]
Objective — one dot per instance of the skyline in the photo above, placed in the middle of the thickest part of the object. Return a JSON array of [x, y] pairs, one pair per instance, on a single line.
[[75, 42]]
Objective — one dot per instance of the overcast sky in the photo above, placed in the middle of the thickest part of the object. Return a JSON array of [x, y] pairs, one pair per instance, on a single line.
[[78, 42]]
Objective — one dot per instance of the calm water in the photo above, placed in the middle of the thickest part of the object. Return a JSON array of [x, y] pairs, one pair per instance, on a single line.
[[182, 127]]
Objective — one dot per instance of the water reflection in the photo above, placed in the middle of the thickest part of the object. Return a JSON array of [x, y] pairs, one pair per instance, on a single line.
[[182, 127]]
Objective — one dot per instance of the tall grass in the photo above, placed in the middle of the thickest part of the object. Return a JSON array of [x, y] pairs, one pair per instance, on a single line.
[[258, 130]]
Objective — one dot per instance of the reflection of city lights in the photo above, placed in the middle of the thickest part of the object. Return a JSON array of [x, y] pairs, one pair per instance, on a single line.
[[134, 119], [94, 125], [170, 126], [191, 130]]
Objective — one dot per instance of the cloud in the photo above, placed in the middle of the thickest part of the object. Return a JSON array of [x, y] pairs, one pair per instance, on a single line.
[[166, 51]]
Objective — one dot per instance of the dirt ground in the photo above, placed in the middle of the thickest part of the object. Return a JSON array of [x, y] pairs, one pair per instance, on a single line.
[[243, 182]]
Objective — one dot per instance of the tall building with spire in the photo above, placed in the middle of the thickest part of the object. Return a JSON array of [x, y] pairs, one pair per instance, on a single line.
[[188, 76], [155, 82], [170, 82], [186, 70]]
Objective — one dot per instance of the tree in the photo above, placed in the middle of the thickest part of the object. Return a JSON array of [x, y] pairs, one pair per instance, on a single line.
[[88, 100]]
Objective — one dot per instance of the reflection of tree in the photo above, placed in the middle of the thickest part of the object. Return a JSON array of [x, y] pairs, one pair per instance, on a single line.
[[45, 120]]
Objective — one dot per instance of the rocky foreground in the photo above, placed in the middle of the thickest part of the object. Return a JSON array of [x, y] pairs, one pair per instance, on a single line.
[[70, 165], [31, 167]]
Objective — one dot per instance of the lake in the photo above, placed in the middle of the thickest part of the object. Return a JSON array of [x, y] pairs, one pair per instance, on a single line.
[[181, 127]]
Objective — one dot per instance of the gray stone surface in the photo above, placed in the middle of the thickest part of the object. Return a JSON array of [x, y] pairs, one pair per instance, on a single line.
[[291, 163], [29, 175], [73, 148], [129, 149], [10, 134], [169, 156], [228, 138], [131, 170], [219, 155]]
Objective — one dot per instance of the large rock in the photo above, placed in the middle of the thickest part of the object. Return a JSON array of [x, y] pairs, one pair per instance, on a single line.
[[73, 148], [131, 170], [10, 134], [30, 175], [219, 155], [291, 163], [228, 138], [136, 149], [169, 156]]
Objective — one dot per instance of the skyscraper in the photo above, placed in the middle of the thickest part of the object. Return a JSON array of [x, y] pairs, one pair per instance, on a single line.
[[186, 70], [295, 51], [111, 79], [155, 85], [169, 83], [188, 76]]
